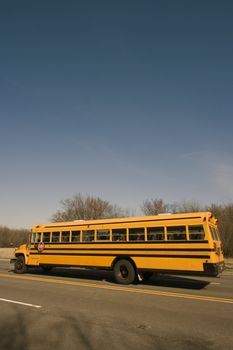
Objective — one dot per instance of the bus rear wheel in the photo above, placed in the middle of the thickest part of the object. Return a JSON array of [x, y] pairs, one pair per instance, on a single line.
[[124, 272], [20, 266]]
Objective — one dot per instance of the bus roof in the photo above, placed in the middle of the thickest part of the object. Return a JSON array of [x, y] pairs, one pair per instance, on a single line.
[[165, 216]]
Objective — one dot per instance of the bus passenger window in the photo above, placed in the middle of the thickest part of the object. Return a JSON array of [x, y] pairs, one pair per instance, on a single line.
[[217, 233], [155, 233], [136, 234], [75, 236], [55, 236], [46, 237], [177, 233], [88, 235], [119, 234], [196, 232], [65, 236], [35, 237], [214, 233], [103, 235]]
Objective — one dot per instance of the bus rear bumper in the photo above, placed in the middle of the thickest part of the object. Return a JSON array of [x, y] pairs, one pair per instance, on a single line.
[[213, 269]]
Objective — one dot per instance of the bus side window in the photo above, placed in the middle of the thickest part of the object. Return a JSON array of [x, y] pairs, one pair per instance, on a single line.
[[35, 237], [65, 236], [55, 237], [88, 235], [214, 233], [46, 236], [177, 233], [118, 234], [155, 233], [75, 236], [136, 234], [103, 235], [196, 232]]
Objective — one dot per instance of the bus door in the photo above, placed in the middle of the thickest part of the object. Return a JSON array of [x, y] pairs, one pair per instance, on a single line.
[[35, 248]]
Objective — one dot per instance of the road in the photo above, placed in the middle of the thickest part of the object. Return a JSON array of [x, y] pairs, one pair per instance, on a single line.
[[80, 309]]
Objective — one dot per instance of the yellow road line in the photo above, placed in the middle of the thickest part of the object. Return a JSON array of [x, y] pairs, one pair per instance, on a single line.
[[120, 289]]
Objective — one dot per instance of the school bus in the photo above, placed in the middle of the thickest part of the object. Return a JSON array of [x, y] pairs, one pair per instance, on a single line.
[[133, 248]]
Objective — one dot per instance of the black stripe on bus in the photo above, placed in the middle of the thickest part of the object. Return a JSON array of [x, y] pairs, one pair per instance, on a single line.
[[131, 255]]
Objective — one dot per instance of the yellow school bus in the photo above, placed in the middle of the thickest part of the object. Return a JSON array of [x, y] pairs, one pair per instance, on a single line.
[[134, 248]]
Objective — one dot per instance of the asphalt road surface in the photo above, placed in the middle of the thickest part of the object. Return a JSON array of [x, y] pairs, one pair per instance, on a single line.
[[81, 309]]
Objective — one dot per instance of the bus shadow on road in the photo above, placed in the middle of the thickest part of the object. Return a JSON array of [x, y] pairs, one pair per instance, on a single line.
[[75, 273], [161, 280], [181, 282]]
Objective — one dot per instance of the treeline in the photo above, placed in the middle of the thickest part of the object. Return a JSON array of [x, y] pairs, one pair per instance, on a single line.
[[88, 207], [224, 214], [12, 237]]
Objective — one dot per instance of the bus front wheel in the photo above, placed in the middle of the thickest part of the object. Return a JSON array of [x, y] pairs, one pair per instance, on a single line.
[[20, 266], [124, 272]]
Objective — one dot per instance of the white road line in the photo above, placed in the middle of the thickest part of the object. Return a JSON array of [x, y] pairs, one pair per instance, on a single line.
[[215, 283], [20, 303]]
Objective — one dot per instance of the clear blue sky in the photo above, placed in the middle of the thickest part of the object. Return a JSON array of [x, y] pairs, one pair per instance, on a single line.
[[127, 100]]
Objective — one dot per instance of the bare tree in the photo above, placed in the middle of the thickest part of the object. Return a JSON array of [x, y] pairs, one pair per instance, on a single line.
[[189, 206], [86, 208], [224, 214], [12, 237], [154, 207], [157, 206]]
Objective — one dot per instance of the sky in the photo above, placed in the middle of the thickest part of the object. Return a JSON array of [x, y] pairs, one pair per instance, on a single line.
[[127, 100]]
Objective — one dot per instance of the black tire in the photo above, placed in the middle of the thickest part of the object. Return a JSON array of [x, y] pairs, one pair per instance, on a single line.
[[20, 266], [124, 272]]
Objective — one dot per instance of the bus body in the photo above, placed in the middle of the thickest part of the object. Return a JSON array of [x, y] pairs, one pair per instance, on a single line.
[[132, 247]]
